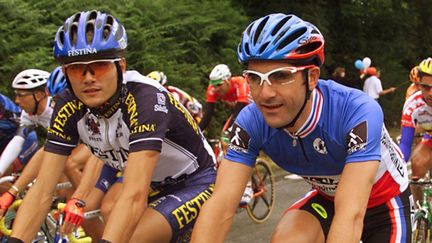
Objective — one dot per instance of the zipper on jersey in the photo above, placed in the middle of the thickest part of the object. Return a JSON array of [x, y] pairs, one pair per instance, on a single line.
[[107, 132], [303, 150]]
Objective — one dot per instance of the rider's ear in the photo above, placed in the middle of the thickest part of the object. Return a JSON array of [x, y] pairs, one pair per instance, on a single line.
[[313, 73]]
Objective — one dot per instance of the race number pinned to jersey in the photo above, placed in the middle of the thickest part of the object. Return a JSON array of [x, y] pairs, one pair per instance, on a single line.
[[239, 139], [357, 138]]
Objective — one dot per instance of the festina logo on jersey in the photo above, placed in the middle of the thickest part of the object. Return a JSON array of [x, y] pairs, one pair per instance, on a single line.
[[357, 138], [84, 51]]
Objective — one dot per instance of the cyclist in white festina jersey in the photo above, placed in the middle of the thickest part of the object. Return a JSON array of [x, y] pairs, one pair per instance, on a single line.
[[136, 127], [31, 88]]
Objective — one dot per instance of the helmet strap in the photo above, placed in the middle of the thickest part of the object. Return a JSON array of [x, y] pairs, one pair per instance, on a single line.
[[307, 95], [37, 102]]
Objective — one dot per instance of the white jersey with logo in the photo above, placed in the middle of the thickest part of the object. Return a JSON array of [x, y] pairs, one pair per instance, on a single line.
[[417, 112]]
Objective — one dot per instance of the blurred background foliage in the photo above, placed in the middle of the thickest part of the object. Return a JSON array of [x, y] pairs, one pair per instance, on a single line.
[[185, 39]]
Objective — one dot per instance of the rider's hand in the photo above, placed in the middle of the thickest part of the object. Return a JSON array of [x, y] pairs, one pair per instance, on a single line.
[[73, 215], [5, 201]]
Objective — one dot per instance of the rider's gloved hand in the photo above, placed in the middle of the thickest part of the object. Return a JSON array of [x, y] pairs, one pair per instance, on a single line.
[[5, 201], [74, 212]]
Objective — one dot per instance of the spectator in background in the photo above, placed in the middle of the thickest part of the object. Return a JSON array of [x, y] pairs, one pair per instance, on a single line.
[[372, 85], [339, 75]]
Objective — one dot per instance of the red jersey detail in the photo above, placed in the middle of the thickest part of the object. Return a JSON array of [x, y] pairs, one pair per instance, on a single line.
[[238, 92]]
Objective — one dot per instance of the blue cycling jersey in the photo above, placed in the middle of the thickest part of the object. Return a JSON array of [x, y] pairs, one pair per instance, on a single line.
[[9, 114], [344, 126]]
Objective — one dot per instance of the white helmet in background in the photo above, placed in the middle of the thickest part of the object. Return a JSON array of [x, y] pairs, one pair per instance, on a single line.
[[220, 72], [30, 79]]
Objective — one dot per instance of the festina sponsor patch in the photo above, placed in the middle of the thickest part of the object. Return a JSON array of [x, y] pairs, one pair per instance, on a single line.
[[357, 138], [239, 140]]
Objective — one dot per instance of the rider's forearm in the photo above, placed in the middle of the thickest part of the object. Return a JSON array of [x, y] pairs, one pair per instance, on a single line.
[[213, 224], [124, 217], [37, 201], [132, 201], [31, 213], [89, 178], [346, 229], [30, 170]]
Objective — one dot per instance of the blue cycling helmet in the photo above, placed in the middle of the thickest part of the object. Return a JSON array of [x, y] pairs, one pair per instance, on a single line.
[[56, 82], [89, 35], [282, 37]]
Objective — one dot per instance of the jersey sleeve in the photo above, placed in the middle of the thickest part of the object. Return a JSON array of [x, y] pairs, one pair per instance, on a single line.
[[407, 112], [242, 89], [245, 142], [62, 134], [363, 127], [149, 112], [211, 94]]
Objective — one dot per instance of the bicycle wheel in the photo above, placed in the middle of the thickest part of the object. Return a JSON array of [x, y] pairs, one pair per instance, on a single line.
[[421, 229], [263, 185]]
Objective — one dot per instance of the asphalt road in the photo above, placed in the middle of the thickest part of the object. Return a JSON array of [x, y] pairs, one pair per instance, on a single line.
[[245, 230]]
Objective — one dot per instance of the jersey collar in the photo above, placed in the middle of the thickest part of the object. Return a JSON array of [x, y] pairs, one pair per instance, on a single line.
[[314, 116]]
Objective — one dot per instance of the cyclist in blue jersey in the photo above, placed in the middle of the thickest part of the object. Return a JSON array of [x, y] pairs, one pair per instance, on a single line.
[[135, 126], [9, 127], [331, 135]]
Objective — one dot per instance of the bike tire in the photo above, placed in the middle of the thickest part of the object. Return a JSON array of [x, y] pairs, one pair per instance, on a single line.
[[421, 229], [261, 206]]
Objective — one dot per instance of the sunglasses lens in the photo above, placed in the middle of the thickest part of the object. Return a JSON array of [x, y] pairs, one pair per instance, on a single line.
[[252, 78], [281, 77], [95, 68]]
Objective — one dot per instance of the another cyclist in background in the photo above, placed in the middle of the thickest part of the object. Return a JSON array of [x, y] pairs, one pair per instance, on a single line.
[[9, 128], [233, 91], [134, 126], [331, 135], [417, 117], [31, 96], [55, 84], [190, 103], [414, 85]]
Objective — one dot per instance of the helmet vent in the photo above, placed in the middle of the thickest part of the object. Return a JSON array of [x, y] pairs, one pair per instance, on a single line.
[[248, 30], [246, 50], [61, 36], [291, 38], [90, 31], [92, 15], [308, 48], [76, 18], [280, 24], [315, 31], [263, 47], [73, 33], [259, 29]]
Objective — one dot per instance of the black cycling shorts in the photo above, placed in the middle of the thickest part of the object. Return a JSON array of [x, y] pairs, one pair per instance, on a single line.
[[388, 222]]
